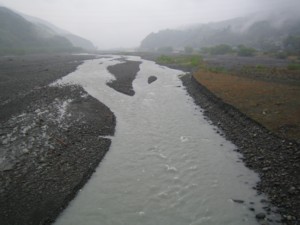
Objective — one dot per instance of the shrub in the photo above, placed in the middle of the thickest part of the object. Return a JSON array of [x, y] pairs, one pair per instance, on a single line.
[[293, 66], [245, 51], [221, 49]]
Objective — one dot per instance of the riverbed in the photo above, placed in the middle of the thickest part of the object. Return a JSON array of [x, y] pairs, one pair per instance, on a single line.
[[167, 163]]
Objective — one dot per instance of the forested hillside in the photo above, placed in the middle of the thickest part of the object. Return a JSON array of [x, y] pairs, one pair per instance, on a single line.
[[272, 34]]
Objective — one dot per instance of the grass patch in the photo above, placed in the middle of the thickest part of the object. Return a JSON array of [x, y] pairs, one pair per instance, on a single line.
[[293, 66], [181, 60]]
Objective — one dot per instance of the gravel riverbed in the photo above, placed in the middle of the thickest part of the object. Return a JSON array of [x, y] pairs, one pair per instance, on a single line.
[[52, 137]]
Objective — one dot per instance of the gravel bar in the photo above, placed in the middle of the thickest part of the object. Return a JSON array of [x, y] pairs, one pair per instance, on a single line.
[[52, 138]]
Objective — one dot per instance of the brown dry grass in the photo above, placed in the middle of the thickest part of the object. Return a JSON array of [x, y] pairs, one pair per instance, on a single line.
[[276, 106]]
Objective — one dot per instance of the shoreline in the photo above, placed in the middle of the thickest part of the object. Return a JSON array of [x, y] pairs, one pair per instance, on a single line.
[[273, 158]]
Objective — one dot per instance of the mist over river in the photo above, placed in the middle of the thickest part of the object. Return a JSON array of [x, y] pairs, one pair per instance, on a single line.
[[167, 164]]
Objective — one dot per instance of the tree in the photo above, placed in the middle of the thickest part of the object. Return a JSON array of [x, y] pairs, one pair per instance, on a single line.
[[292, 45], [245, 51], [221, 49]]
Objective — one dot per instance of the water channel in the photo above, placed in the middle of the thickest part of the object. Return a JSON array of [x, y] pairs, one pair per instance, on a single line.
[[166, 165]]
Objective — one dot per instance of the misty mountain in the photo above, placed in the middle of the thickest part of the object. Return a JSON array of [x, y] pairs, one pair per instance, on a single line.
[[74, 39], [260, 33], [18, 35]]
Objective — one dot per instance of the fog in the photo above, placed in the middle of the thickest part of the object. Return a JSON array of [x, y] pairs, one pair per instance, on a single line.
[[124, 23]]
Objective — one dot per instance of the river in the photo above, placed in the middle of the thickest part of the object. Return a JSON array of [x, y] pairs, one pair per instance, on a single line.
[[167, 164]]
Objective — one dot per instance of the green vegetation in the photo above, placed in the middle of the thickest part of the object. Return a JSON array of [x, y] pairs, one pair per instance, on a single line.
[[221, 49], [181, 60], [292, 45], [293, 66], [260, 67], [281, 55], [245, 51]]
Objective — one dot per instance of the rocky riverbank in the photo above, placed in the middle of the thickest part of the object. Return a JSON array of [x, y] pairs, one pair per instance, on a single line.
[[52, 137], [276, 160]]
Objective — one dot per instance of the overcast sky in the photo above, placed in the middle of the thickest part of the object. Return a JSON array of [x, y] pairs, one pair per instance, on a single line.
[[124, 23]]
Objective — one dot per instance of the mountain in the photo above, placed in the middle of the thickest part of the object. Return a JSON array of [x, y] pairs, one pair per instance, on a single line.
[[19, 35], [74, 39], [265, 33]]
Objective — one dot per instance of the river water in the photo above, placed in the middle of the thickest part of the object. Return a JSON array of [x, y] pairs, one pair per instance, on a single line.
[[167, 165]]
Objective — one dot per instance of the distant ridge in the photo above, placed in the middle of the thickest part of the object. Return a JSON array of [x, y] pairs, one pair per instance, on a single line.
[[254, 31], [74, 39], [19, 35]]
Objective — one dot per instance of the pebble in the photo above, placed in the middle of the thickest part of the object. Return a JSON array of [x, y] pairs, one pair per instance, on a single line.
[[292, 190], [264, 223], [260, 216], [265, 169], [25, 150], [238, 201], [289, 218]]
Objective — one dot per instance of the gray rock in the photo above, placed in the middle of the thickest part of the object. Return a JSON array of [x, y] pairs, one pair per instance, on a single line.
[[238, 201], [151, 79], [292, 191], [260, 216]]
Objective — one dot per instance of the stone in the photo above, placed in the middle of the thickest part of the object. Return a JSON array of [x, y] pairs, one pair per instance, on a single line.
[[25, 150], [151, 79], [292, 191], [238, 201], [260, 216], [264, 223], [289, 218]]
